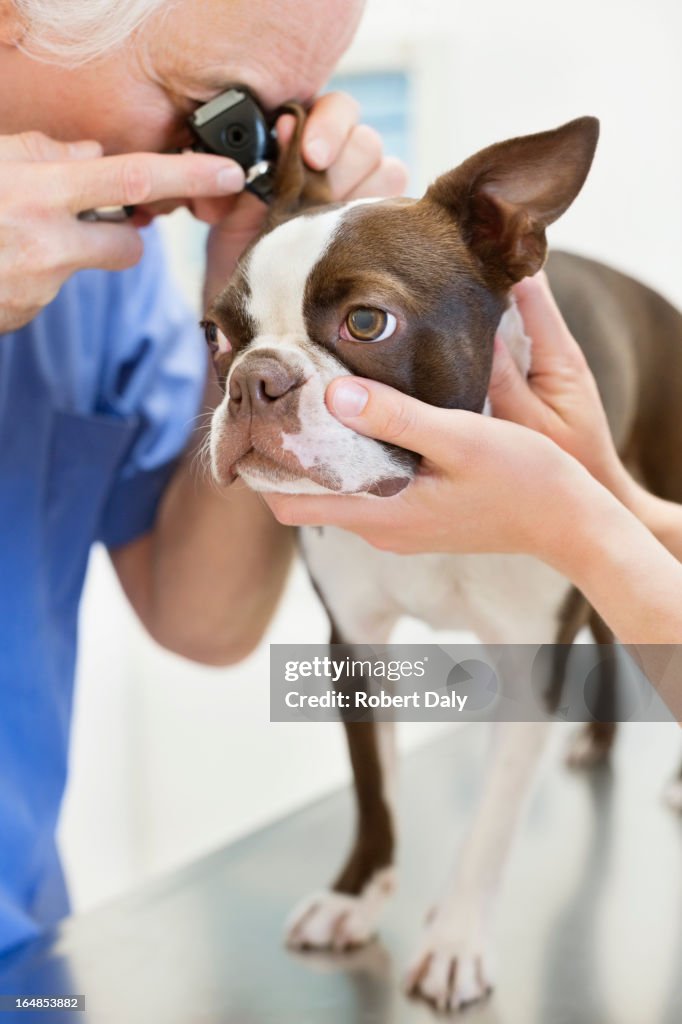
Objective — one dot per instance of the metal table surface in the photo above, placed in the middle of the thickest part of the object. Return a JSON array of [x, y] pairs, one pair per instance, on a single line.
[[589, 926]]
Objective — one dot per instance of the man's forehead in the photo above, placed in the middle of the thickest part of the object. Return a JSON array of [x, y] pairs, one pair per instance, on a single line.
[[281, 49]]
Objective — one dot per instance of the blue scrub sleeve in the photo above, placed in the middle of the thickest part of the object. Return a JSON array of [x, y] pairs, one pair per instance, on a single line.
[[155, 384]]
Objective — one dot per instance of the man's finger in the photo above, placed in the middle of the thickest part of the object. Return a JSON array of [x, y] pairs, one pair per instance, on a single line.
[[388, 415], [39, 148], [331, 120], [359, 158], [104, 246], [137, 178], [389, 179], [285, 127]]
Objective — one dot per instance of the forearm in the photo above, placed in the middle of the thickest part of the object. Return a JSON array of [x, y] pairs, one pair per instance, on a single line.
[[217, 569], [636, 586], [663, 518], [629, 577], [207, 579]]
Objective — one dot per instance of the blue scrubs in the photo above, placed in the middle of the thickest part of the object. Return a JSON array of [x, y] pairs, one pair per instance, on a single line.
[[97, 399]]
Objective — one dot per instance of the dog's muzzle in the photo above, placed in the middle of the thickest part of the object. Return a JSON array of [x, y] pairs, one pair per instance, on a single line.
[[274, 430]]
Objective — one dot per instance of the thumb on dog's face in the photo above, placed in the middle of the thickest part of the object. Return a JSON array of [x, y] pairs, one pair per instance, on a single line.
[[379, 411]]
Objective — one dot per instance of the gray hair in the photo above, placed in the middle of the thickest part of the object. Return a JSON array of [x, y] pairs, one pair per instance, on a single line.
[[75, 31]]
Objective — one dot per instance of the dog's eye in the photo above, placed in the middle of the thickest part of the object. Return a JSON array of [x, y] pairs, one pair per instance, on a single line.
[[215, 339], [368, 324]]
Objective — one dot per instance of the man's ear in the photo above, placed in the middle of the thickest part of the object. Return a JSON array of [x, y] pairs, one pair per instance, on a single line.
[[297, 186], [504, 197]]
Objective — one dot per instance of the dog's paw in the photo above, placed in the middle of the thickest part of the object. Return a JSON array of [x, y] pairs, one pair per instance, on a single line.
[[338, 921], [448, 973], [672, 795], [587, 748]]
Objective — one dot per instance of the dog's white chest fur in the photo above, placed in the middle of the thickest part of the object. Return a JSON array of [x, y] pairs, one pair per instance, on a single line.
[[501, 598]]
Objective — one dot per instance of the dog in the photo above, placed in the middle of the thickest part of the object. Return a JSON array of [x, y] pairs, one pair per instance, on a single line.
[[411, 293]]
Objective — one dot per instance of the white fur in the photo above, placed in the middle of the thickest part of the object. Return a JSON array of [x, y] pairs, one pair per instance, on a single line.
[[279, 267], [335, 920], [451, 965], [501, 598], [513, 332], [357, 460]]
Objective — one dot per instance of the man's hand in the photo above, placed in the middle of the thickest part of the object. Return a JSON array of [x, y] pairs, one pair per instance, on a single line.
[[333, 141], [45, 184]]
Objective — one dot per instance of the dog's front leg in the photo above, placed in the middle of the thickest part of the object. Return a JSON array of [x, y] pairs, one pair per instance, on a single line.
[[346, 915], [451, 967]]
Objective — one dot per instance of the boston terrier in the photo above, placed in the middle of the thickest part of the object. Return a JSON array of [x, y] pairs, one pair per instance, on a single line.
[[411, 293]]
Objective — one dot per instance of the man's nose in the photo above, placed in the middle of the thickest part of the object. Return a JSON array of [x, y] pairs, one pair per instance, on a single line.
[[263, 387]]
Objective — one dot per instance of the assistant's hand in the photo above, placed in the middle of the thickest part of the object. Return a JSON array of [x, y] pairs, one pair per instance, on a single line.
[[333, 141], [44, 184], [560, 397], [484, 484]]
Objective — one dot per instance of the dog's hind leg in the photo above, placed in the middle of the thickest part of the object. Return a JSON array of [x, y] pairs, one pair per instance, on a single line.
[[451, 967], [346, 915], [592, 743]]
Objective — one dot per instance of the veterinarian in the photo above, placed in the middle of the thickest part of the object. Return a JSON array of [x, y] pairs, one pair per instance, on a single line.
[[557, 490], [103, 374]]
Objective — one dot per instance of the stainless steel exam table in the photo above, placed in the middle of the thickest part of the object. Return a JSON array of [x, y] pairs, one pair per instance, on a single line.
[[589, 926]]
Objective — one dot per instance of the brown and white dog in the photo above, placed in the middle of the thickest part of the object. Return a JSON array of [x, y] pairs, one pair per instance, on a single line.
[[411, 293]]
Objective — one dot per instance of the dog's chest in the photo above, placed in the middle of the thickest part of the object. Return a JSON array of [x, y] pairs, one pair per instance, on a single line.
[[501, 598]]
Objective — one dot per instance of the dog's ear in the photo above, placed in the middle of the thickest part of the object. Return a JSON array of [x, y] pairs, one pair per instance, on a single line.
[[296, 186], [504, 197]]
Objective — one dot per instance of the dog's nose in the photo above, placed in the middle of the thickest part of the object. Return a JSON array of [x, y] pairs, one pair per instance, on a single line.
[[258, 385]]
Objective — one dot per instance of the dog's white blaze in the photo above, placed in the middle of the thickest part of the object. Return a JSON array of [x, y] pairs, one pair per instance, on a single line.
[[279, 268], [280, 265]]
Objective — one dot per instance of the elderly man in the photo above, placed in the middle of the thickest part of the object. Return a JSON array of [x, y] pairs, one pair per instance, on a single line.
[[102, 374]]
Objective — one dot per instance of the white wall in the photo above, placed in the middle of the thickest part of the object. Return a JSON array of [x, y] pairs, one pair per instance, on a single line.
[[170, 760], [506, 68]]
